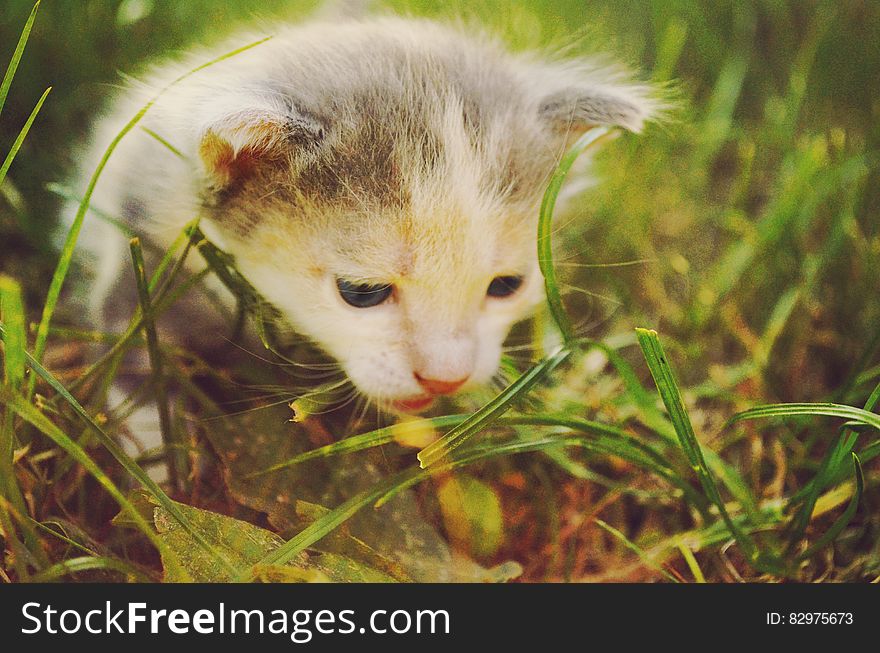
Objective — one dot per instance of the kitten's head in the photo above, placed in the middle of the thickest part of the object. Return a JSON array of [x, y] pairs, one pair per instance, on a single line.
[[385, 196]]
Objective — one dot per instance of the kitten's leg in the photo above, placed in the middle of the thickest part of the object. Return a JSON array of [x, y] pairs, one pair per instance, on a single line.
[[201, 322], [144, 430]]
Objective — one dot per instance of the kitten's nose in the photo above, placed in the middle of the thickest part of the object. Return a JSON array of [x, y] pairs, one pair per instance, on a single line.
[[439, 387]]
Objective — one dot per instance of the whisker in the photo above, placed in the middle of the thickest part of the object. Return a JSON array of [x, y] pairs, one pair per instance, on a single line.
[[621, 264], [583, 327], [256, 398], [288, 362], [590, 293], [510, 348], [214, 418], [358, 414]]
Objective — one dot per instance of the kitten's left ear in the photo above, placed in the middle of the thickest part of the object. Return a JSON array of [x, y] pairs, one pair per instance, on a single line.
[[579, 107], [238, 139]]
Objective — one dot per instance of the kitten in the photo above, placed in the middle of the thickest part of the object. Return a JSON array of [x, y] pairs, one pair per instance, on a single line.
[[377, 180]]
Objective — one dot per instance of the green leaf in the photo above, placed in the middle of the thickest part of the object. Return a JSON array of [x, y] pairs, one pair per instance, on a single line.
[[244, 545], [472, 515]]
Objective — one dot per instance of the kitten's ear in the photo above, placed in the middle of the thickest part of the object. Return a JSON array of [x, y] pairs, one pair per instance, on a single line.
[[235, 142], [582, 106]]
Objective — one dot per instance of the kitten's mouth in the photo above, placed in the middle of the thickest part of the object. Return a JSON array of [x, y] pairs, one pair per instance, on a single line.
[[413, 404]]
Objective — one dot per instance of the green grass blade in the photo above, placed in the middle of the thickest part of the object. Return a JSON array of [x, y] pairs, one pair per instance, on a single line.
[[166, 296], [155, 357], [841, 523], [15, 343], [825, 476], [797, 409], [387, 434], [165, 143], [359, 442], [12, 316], [16, 145], [114, 354], [488, 413], [873, 399], [581, 436], [66, 193], [667, 386], [250, 301], [183, 239], [14, 366], [91, 563], [66, 257], [860, 367], [16, 56], [545, 230], [632, 546], [62, 536], [609, 440], [691, 562], [652, 417]]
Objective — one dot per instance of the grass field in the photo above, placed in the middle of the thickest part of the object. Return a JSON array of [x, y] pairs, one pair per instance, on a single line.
[[739, 444]]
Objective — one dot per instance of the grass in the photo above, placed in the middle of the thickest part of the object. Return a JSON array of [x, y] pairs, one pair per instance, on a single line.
[[744, 232]]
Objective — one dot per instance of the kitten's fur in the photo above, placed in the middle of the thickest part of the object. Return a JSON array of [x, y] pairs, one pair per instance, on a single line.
[[382, 150]]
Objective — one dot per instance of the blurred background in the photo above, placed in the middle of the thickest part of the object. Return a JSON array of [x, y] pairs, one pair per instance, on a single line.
[[746, 229]]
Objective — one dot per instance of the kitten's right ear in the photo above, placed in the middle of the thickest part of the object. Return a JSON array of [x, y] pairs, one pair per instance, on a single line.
[[235, 142], [579, 96]]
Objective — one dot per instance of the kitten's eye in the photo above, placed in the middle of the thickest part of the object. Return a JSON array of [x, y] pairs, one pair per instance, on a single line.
[[363, 295], [504, 286]]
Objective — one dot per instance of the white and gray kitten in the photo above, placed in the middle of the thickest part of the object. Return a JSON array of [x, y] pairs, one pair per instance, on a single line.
[[377, 180]]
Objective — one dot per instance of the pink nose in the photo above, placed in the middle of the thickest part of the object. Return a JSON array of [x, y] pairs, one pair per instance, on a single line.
[[438, 387]]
